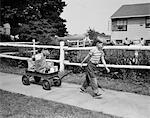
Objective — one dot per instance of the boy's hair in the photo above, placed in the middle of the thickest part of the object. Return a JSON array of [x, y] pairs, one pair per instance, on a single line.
[[96, 41], [40, 50]]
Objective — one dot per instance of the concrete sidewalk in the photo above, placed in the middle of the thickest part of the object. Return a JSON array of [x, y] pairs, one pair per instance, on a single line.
[[126, 105]]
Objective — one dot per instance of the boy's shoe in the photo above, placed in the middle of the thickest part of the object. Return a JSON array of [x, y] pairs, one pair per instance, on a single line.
[[101, 88], [97, 94], [83, 89]]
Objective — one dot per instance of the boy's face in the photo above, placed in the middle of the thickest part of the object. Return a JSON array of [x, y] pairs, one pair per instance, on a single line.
[[99, 45]]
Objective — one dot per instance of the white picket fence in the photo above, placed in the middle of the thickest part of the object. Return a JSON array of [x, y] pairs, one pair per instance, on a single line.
[[63, 48]]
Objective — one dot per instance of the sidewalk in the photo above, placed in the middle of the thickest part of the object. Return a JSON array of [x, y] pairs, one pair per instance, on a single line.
[[126, 105]]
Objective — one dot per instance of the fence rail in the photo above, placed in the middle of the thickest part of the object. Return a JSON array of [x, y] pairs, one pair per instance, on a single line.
[[112, 65], [24, 58], [62, 48], [28, 46], [132, 47]]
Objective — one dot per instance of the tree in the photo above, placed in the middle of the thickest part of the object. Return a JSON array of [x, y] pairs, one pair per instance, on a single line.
[[34, 18], [92, 34]]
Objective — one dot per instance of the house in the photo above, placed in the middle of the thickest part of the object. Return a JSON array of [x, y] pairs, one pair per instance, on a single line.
[[5, 29], [1, 30], [76, 40], [131, 23], [104, 38]]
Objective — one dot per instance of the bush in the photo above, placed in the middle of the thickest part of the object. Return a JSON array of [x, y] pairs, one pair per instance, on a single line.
[[54, 54], [28, 52], [5, 38], [14, 62], [75, 57], [118, 57], [123, 57]]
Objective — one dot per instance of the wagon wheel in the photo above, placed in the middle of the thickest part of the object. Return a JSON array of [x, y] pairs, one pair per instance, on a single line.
[[25, 80], [37, 79], [47, 84], [57, 81]]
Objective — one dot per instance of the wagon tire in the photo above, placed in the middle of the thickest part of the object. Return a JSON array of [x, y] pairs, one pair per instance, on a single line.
[[25, 80], [46, 85], [57, 81]]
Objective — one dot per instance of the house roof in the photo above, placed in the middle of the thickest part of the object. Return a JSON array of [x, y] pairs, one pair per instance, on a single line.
[[72, 37], [132, 10]]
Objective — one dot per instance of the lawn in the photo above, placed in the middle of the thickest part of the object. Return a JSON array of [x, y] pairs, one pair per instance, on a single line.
[[13, 105]]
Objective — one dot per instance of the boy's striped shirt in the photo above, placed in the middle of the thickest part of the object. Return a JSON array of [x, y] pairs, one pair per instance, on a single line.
[[96, 55]]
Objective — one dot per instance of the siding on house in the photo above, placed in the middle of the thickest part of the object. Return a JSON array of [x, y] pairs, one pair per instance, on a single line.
[[136, 30], [1, 30]]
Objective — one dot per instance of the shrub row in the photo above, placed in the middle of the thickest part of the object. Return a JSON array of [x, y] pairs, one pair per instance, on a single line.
[[118, 57]]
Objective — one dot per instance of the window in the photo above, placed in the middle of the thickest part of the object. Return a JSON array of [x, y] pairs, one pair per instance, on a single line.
[[147, 42], [147, 22], [119, 42], [119, 25]]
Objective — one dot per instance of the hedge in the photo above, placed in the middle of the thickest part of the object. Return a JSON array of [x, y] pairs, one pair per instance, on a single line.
[[118, 57]]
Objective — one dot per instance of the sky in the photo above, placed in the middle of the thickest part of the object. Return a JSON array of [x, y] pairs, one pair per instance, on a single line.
[[82, 15]]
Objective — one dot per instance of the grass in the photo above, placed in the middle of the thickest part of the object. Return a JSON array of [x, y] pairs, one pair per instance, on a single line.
[[113, 84], [14, 105]]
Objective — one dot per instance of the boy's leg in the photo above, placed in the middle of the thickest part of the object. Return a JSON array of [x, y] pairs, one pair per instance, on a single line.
[[85, 84], [94, 86], [92, 77]]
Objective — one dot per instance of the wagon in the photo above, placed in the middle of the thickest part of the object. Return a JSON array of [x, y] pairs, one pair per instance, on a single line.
[[47, 79]]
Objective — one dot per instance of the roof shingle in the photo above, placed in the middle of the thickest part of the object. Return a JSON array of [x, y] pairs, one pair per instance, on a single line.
[[132, 10]]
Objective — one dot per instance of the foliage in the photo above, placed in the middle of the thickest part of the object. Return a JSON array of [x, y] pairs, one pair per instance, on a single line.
[[34, 18], [14, 62], [76, 56], [92, 34], [119, 57], [4, 38], [131, 80], [54, 54], [116, 57], [49, 40], [123, 57]]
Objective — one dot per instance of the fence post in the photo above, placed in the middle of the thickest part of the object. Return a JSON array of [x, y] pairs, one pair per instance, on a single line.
[[136, 56], [62, 56], [33, 46]]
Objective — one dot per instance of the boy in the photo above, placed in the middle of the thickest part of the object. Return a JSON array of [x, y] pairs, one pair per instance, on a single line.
[[96, 55]]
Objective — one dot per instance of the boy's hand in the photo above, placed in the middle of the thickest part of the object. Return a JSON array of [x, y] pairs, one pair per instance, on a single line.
[[108, 70]]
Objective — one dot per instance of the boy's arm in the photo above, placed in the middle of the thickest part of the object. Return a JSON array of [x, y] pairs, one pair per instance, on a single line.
[[85, 59], [88, 56], [104, 63]]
